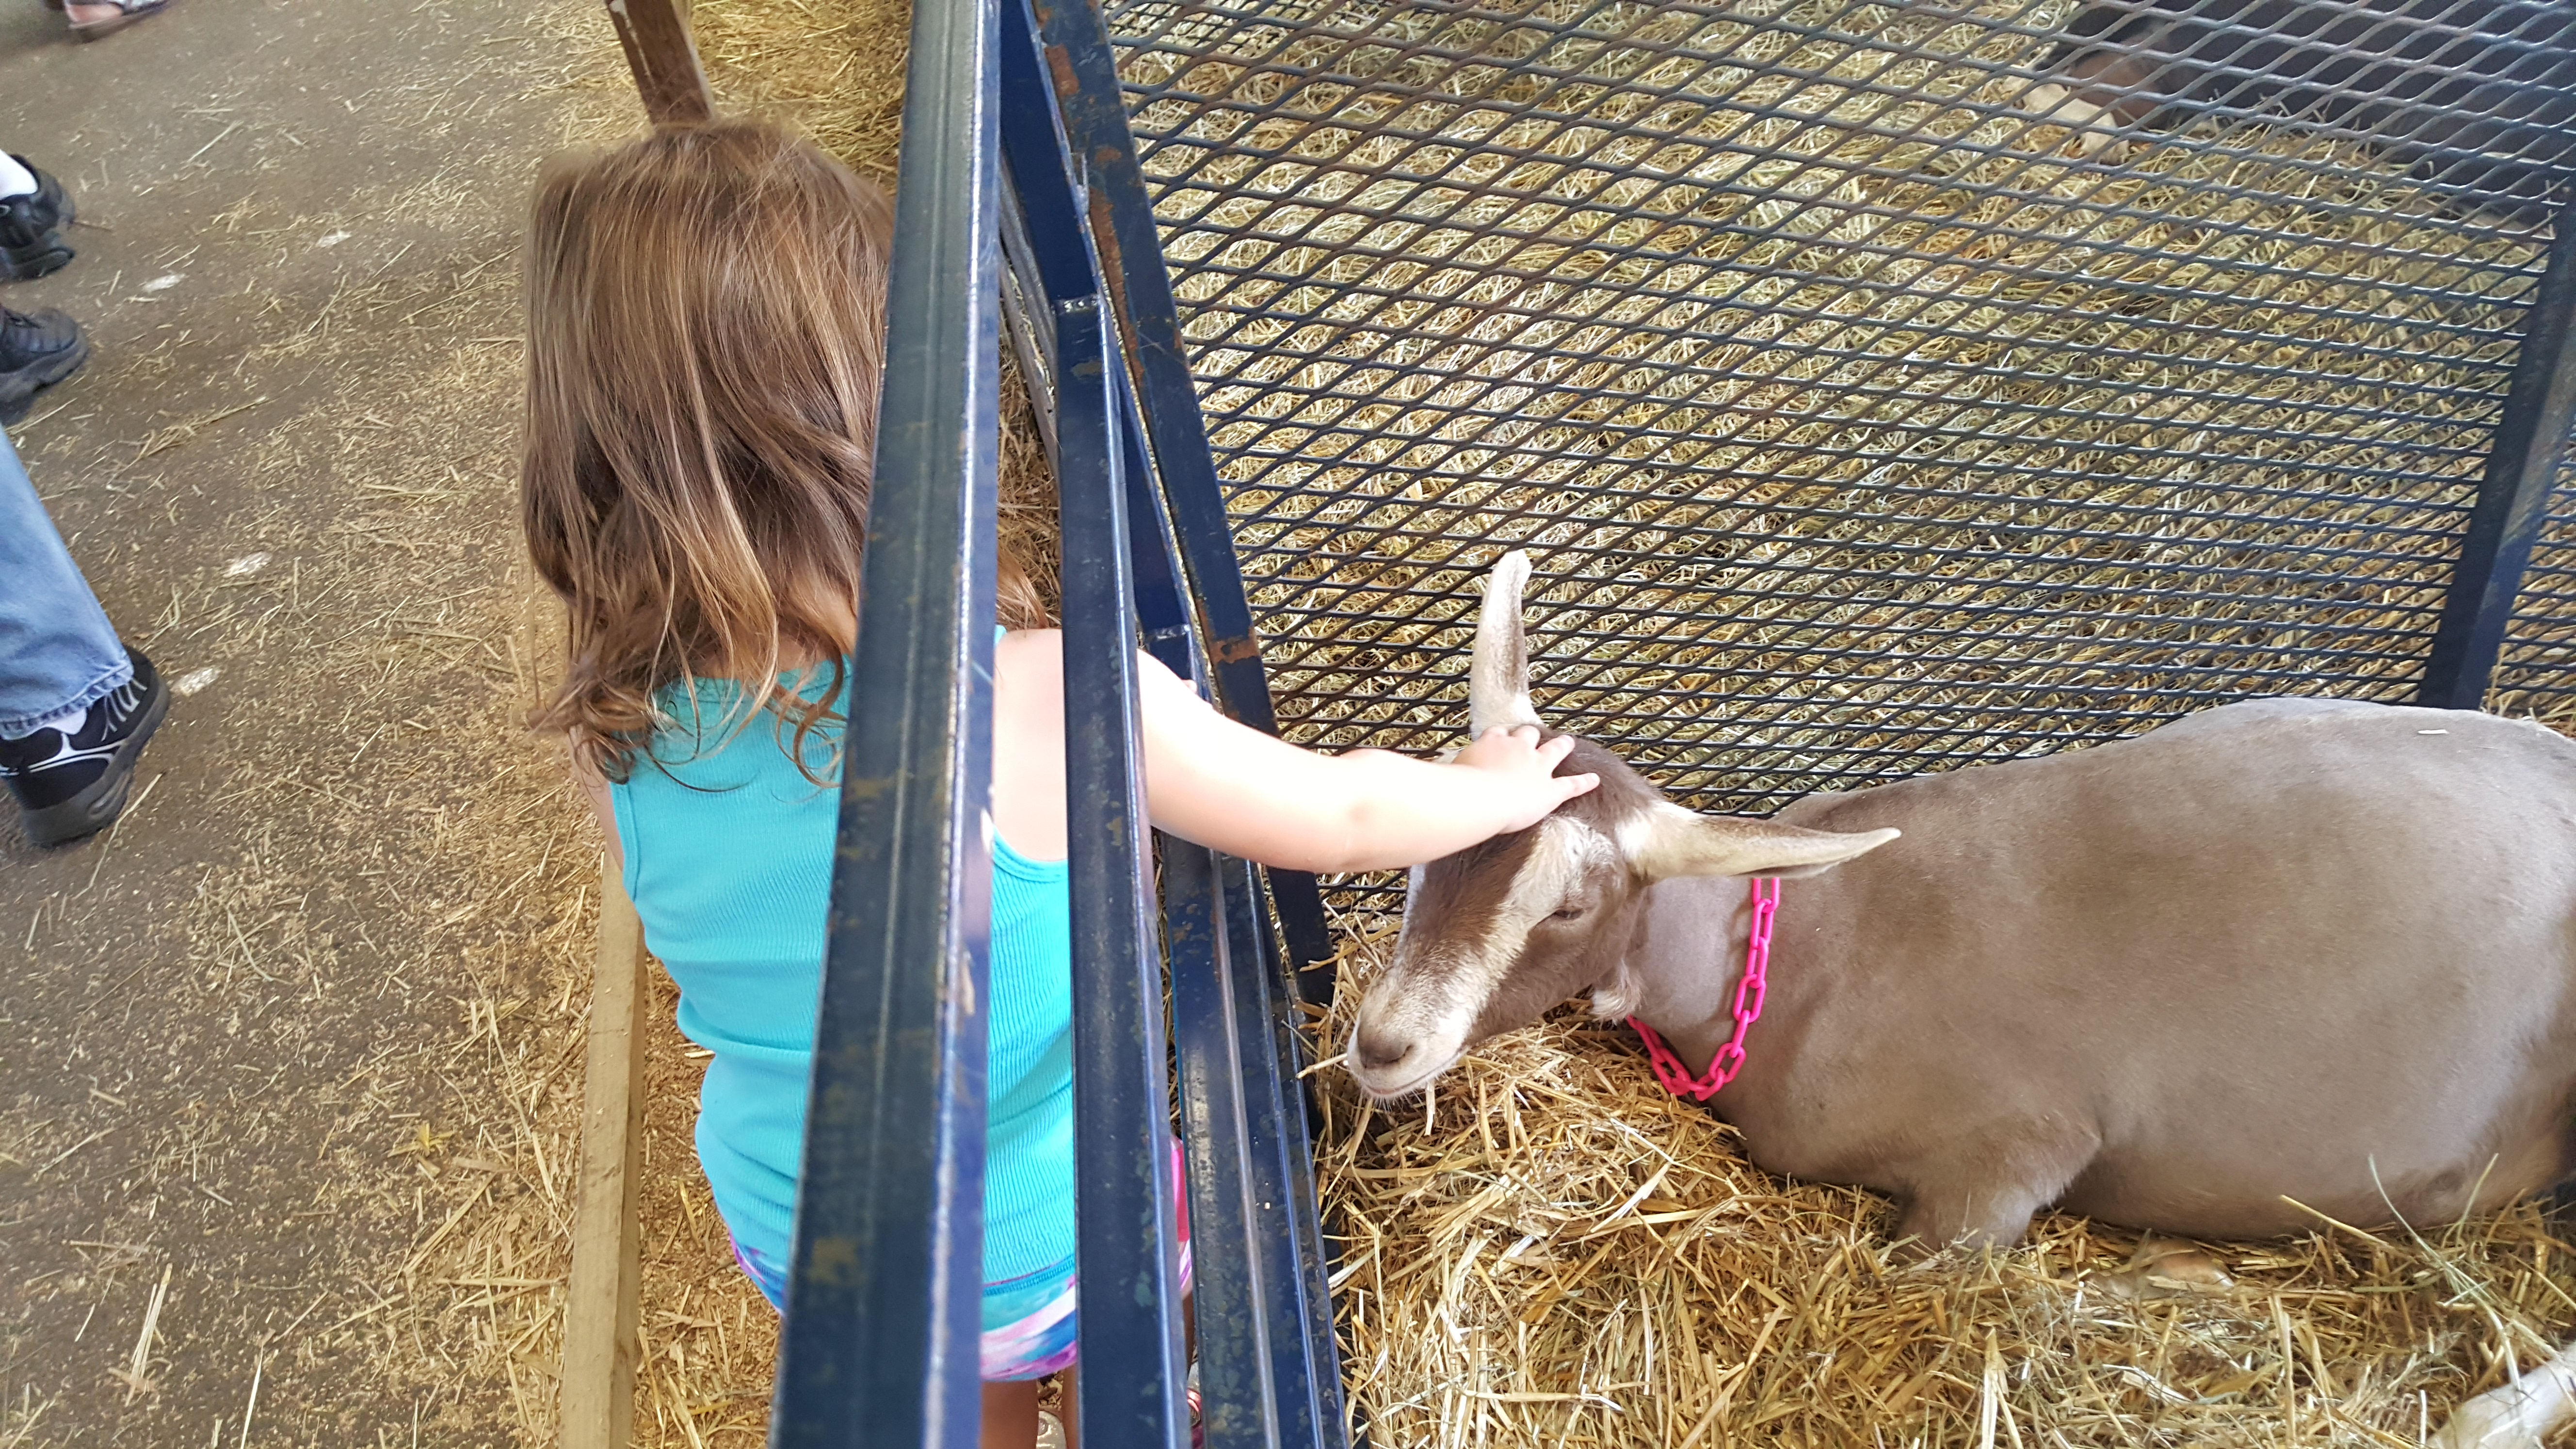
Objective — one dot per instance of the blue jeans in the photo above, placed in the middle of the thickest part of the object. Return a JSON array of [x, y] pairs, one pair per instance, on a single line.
[[57, 650]]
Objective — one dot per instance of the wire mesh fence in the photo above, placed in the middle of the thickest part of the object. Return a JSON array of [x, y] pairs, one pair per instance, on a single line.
[[2537, 674], [1880, 388]]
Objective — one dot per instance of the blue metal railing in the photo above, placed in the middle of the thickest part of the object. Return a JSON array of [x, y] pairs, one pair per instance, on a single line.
[[886, 1295], [879, 1346], [2531, 434]]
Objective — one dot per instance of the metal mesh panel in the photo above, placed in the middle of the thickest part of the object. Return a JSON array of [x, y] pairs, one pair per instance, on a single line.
[[2537, 675], [1879, 388]]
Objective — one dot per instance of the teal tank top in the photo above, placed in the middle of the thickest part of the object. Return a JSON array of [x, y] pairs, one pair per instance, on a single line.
[[729, 862]]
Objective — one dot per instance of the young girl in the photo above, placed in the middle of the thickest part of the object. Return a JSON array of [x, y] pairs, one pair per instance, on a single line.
[[705, 336]]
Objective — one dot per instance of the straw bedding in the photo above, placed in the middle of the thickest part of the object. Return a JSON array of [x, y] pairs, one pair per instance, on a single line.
[[1552, 1252]]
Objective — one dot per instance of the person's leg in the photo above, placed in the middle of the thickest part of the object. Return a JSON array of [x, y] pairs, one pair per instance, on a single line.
[[76, 705], [1011, 1415], [58, 653]]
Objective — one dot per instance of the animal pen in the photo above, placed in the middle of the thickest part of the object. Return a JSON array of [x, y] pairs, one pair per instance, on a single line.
[[1879, 388]]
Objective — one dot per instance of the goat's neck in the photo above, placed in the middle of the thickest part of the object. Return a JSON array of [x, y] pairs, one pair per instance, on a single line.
[[1684, 959]]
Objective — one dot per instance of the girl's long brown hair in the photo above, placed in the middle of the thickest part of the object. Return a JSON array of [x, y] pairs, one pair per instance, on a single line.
[[706, 330]]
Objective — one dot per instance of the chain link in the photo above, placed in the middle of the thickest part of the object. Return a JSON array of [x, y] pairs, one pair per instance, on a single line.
[[1750, 989]]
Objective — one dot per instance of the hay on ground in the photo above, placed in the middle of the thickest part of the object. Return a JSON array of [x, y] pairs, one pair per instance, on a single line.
[[1552, 1250]]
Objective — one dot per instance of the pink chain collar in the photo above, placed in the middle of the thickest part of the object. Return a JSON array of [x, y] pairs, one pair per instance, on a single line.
[[1749, 989]]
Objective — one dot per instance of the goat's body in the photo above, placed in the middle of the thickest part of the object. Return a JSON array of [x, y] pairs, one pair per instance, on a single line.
[[2282, 949]]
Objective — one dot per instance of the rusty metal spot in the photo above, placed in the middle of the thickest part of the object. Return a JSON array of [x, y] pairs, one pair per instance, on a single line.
[[1104, 235]]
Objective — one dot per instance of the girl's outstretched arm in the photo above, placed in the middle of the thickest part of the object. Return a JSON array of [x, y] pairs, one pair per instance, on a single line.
[[1225, 785]]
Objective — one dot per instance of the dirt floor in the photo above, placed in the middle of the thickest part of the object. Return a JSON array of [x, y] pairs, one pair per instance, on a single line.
[[292, 1059]]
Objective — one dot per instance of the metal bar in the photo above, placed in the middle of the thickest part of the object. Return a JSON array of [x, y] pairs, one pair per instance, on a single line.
[[1134, 1364], [1268, 1367], [1240, 1312], [1053, 248], [1085, 76], [2513, 497], [1045, 170], [881, 1341], [1046, 235], [1257, 1297], [1305, 1359], [659, 50], [1251, 1281], [1163, 609], [1252, 1181], [1025, 318]]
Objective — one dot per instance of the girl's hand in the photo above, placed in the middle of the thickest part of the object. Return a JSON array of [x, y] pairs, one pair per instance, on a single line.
[[1522, 773]]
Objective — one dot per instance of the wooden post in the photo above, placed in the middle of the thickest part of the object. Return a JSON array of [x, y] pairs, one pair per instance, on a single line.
[[599, 1354], [655, 34]]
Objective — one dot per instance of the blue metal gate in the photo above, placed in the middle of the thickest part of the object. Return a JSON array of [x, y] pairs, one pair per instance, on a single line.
[[1014, 130]]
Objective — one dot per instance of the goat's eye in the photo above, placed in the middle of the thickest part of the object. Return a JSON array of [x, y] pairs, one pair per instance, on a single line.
[[1567, 913]]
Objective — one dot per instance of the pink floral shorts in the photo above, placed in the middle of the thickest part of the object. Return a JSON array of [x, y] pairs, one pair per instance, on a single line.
[[1029, 1321]]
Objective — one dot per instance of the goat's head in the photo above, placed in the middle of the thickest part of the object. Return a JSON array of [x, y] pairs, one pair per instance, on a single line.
[[1498, 933]]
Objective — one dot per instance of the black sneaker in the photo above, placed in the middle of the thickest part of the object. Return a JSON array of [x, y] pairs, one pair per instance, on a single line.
[[73, 783], [31, 242], [37, 350]]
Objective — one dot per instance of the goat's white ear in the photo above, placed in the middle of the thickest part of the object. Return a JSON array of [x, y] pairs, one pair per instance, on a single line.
[[1498, 676], [1671, 841]]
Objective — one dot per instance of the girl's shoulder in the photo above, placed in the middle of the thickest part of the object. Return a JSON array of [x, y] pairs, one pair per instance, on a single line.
[[1029, 648], [711, 734], [1037, 656], [1028, 663]]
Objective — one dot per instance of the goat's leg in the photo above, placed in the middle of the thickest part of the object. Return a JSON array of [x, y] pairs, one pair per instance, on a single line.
[[1986, 1188], [2516, 1415], [1988, 1214]]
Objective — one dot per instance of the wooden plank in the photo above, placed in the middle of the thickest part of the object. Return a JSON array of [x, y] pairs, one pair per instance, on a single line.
[[599, 1354], [664, 58]]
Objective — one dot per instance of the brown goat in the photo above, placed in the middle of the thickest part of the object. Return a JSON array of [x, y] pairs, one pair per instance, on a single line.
[[2283, 949]]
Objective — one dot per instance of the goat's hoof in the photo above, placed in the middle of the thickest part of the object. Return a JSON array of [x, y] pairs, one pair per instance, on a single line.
[[2179, 1261], [2164, 1268]]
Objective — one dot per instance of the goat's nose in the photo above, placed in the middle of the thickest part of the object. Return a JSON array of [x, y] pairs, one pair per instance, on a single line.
[[1378, 1052]]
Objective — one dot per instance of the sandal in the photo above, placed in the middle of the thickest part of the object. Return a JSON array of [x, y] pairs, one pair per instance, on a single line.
[[127, 12]]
